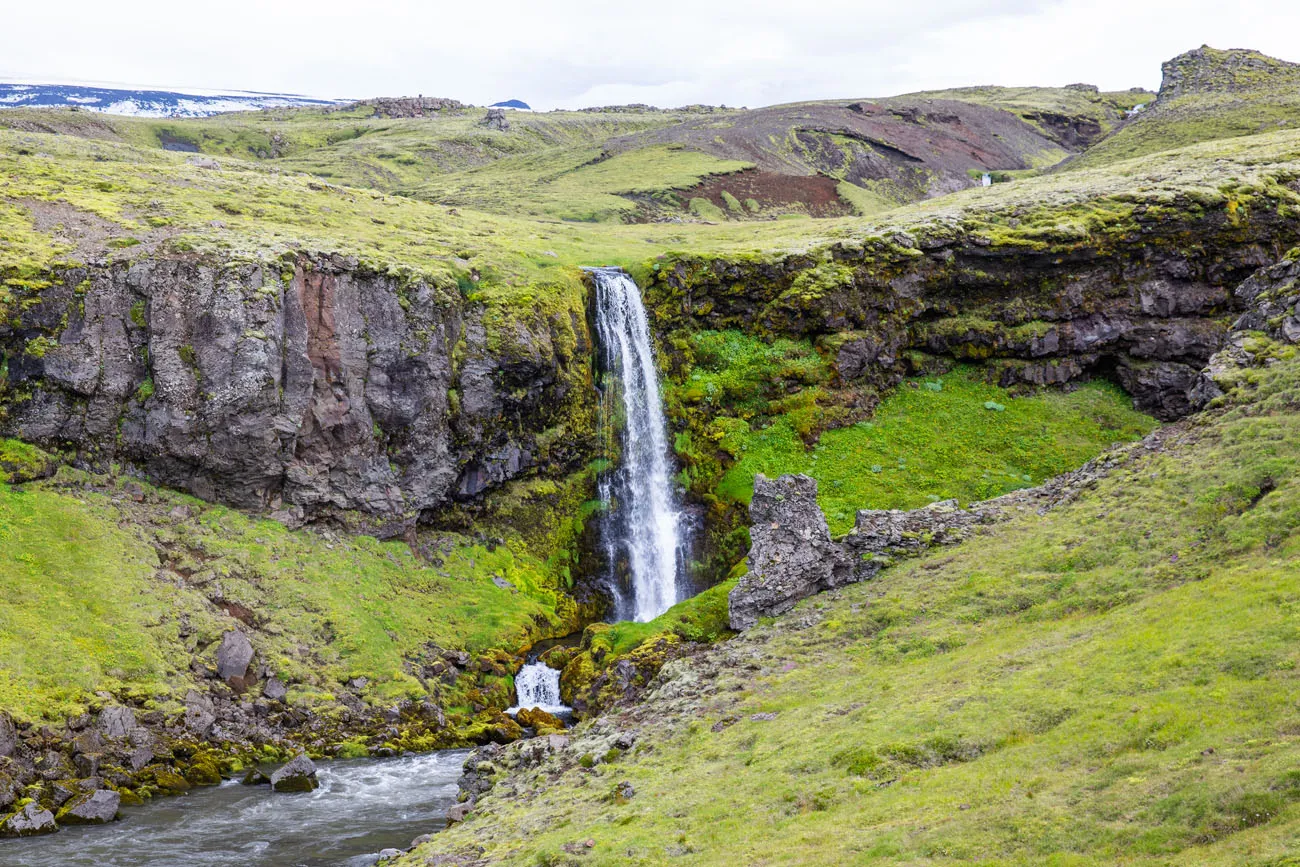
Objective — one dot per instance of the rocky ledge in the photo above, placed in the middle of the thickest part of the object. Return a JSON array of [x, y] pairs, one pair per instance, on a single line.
[[305, 388], [792, 555]]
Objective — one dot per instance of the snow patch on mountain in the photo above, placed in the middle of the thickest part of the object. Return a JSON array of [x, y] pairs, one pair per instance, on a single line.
[[145, 102]]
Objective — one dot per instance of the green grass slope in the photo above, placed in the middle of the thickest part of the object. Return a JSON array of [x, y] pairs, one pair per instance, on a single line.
[[954, 436], [108, 589], [1111, 682]]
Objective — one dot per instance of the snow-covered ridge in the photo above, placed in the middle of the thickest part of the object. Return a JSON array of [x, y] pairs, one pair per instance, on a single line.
[[144, 102]]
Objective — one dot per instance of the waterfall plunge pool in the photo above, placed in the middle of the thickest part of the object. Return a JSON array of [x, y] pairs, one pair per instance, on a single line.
[[361, 807]]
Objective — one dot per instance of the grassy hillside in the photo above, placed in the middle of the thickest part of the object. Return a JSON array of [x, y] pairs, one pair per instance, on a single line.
[[115, 586], [1208, 94], [1109, 682], [1078, 116], [67, 198], [953, 436]]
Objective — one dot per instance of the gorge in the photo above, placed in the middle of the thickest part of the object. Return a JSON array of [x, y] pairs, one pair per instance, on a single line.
[[871, 505]]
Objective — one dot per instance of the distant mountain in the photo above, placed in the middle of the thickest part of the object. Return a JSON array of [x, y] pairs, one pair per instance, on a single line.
[[512, 103], [144, 103]]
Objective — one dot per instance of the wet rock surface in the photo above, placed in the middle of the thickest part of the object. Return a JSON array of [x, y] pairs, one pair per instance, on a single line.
[[298, 775], [96, 808]]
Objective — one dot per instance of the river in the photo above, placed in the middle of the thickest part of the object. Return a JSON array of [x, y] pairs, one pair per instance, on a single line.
[[361, 807]]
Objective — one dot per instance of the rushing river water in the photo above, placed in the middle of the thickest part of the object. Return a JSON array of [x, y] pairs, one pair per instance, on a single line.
[[361, 807]]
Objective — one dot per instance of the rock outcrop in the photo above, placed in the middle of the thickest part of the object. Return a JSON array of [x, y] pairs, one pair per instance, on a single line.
[[1212, 70], [1272, 300], [403, 106], [797, 558], [1146, 307], [496, 119], [791, 556], [311, 389]]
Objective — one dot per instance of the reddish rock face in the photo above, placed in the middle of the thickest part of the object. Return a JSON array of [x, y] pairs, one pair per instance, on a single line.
[[320, 390]]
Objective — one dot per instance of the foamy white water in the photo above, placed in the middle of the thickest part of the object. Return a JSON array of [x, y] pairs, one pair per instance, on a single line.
[[538, 685], [644, 522]]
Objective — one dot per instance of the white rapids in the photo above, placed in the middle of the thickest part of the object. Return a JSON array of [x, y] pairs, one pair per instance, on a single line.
[[362, 807], [538, 686], [645, 524]]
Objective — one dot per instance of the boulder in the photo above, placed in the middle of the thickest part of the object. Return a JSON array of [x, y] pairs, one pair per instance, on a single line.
[[117, 722], [8, 737], [536, 718], [459, 812], [275, 690], [200, 714], [29, 822], [299, 775], [140, 758], [791, 556], [234, 656], [255, 777], [97, 808], [496, 119]]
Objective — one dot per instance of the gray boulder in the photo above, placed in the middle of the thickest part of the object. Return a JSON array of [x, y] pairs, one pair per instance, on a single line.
[[275, 690], [496, 119], [791, 556], [117, 722], [8, 737], [299, 775], [29, 822], [97, 808], [234, 655]]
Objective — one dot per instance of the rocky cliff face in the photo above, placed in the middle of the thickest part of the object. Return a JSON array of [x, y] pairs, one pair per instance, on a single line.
[[1211, 70], [307, 388], [793, 555], [1146, 307]]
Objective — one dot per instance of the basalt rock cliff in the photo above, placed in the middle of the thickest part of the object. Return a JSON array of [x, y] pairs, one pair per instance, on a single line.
[[308, 389]]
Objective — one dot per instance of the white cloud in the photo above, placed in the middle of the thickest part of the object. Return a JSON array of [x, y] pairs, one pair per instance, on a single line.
[[572, 53]]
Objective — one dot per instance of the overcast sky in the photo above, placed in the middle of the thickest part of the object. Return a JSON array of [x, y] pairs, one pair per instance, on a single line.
[[574, 53]]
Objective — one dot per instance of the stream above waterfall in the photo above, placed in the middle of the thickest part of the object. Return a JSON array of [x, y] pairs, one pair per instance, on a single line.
[[361, 807]]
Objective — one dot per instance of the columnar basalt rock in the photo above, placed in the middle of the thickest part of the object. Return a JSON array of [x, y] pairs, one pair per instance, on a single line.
[[791, 556], [308, 389]]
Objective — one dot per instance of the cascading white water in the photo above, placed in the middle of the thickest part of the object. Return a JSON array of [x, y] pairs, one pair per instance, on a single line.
[[538, 685], [643, 524]]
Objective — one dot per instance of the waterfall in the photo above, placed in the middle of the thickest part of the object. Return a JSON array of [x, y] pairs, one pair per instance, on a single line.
[[641, 530], [538, 685]]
